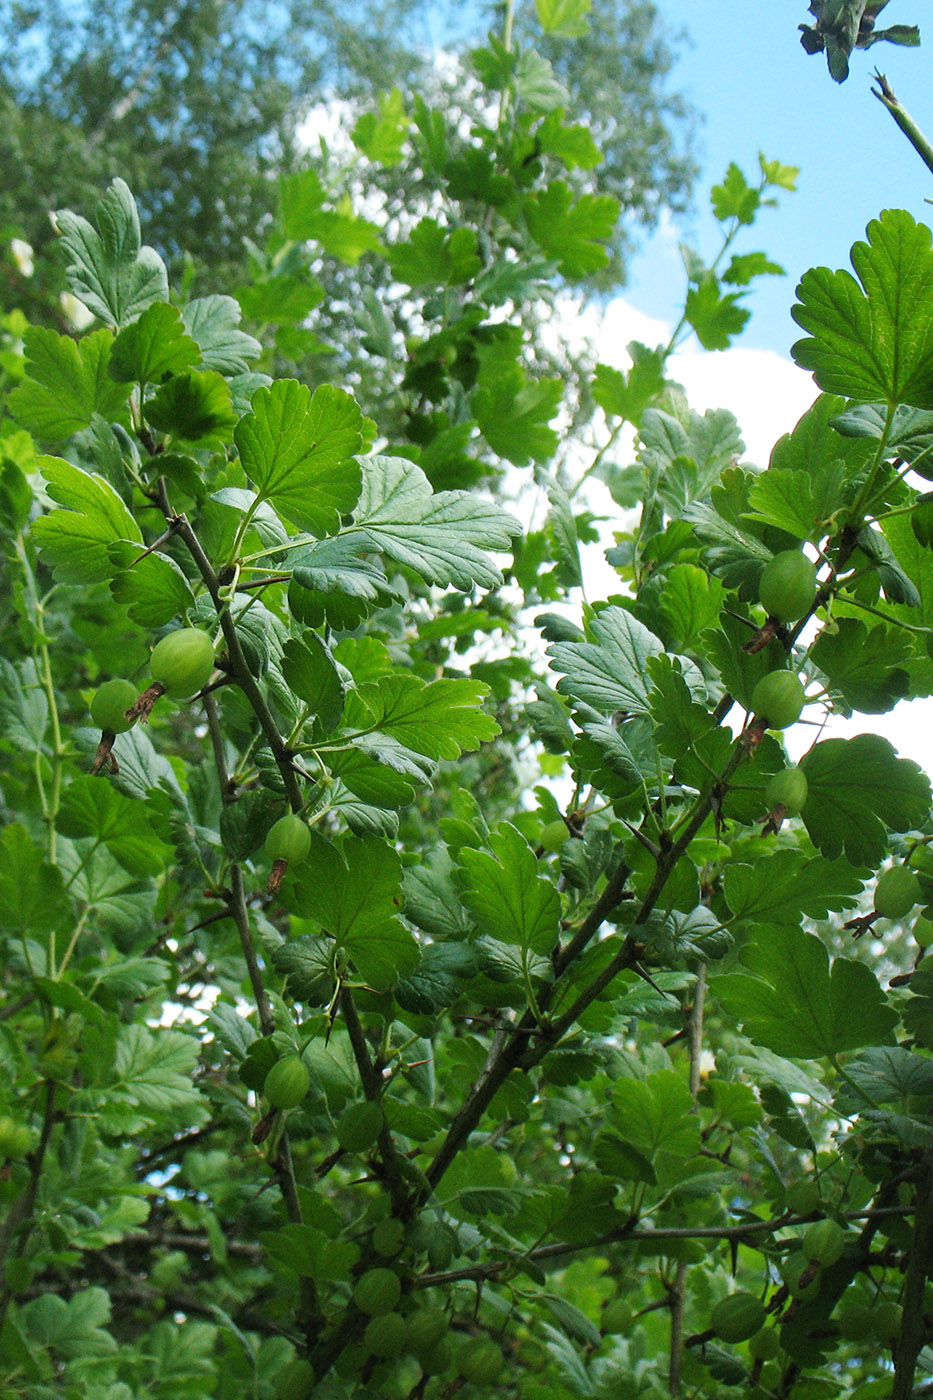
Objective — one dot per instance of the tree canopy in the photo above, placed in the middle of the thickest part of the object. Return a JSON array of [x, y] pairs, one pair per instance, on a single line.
[[199, 106]]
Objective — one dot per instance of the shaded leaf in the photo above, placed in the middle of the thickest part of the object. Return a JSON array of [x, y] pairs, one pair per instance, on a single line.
[[690, 602], [656, 1114], [24, 706], [193, 406], [354, 892], [508, 898], [676, 937], [787, 885], [438, 979], [310, 671], [308, 963], [609, 673], [93, 808], [32, 892], [153, 1073], [792, 1002], [867, 668], [153, 590], [514, 414], [855, 789], [213, 322]]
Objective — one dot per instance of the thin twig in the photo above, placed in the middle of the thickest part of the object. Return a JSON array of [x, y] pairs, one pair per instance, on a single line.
[[371, 1081], [904, 120], [629, 1233]]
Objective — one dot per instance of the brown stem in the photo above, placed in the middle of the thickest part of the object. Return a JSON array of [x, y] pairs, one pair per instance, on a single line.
[[677, 1296], [238, 664], [627, 954], [372, 1083], [310, 1308], [227, 793], [510, 1046], [241, 918], [124, 1286], [914, 1331], [629, 1233], [19, 1218]]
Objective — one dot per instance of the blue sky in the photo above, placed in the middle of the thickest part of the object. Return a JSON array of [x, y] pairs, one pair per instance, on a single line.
[[759, 91]]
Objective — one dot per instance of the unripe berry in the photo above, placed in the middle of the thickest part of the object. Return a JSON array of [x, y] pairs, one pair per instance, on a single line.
[[802, 1197], [15, 1138], [778, 699], [377, 1292], [287, 1082], [385, 1335], [896, 892], [480, 1361], [388, 1237], [425, 1329], [183, 661], [738, 1317], [359, 1126], [787, 789], [823, 1241], [109, 706], [289, 839], [765, 1345], [788, 585]]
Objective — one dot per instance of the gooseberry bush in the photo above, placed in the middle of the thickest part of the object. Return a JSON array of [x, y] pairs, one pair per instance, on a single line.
[[420, 975]]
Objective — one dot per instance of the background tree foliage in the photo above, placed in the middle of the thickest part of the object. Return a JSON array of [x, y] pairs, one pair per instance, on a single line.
[[566, 1040], [199, 105]]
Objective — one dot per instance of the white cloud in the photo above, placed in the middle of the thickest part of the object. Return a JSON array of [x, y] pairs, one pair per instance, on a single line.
[[766, 391]]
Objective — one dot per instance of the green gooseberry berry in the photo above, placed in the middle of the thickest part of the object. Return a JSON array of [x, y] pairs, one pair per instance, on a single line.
[[802, 1197], [289, 839], [896, 892], [183, 661], [426, 1328], [109, 706], [788, 789], [787, 586], [823, 1242], [778, 699], [738, 1317], [359, 1126], [480, 1361], [377, 1292], [287, 1082]]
